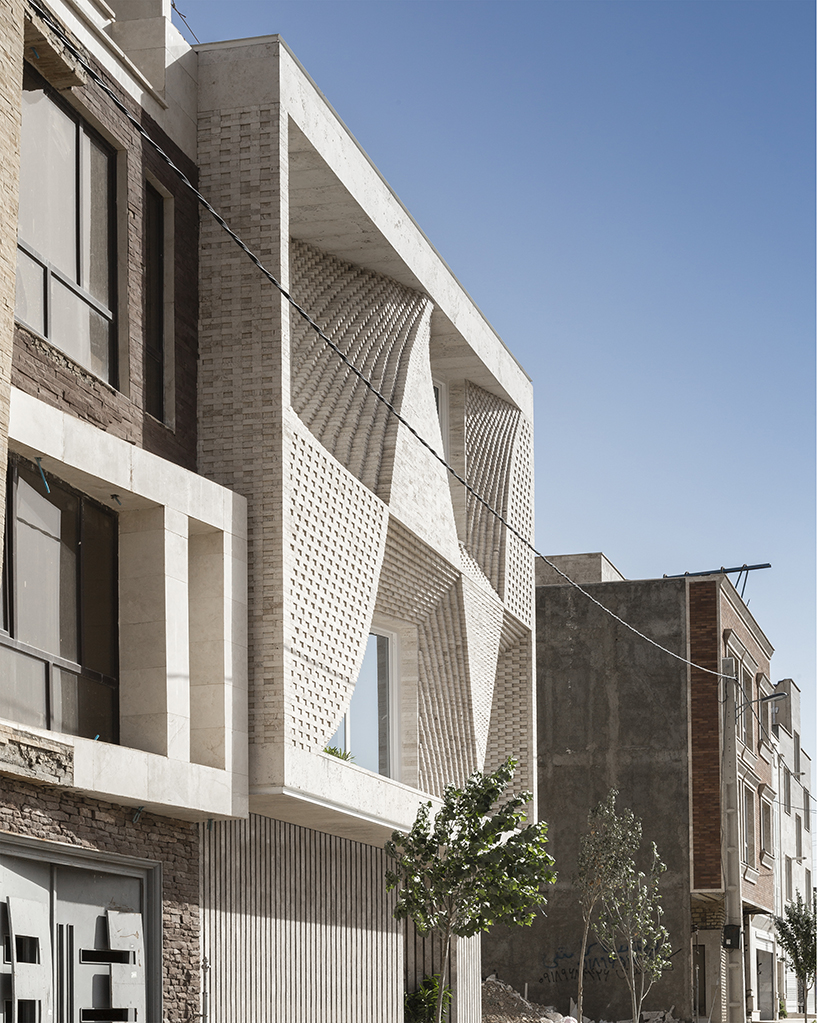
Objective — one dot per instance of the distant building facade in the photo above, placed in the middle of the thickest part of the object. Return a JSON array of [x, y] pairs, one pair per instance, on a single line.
[[223, 556], [696, 756]]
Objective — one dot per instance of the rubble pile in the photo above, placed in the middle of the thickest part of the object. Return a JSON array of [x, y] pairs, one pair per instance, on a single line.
[[502, 1004]]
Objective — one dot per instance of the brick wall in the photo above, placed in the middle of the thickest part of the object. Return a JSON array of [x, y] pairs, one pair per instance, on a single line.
[[47, 373], [57, 815], [705, 756]]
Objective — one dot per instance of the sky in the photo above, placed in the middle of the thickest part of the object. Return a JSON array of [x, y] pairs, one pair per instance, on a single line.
[[627, 191]]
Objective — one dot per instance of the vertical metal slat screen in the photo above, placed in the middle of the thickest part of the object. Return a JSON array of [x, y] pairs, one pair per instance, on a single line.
[[297, 925]]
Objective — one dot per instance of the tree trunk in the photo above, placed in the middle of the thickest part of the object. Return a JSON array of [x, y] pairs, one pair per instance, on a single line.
[[632, 975], [442, 986], [582, 964]]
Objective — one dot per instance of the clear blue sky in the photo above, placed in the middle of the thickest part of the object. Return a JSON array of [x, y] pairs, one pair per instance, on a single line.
[[627, 190]]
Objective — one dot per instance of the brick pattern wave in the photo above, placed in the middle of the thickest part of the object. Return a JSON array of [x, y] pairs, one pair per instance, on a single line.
[[447, 749], [337, 539], [513, 703], [375, 322]]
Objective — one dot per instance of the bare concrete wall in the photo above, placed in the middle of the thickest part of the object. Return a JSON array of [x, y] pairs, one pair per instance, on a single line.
[[612, 711]]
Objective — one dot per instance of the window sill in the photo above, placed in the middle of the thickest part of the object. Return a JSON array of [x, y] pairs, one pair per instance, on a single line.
[[767, 860], [750, 874]]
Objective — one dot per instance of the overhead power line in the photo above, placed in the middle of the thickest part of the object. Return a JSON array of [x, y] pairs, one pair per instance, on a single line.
[[92, 73]]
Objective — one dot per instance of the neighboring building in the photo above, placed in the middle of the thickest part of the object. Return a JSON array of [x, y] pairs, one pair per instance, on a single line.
[[793, 821], [222, 554], [695, 756]]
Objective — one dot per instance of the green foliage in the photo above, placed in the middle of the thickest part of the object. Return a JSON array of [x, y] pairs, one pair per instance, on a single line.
[[342, 754], [469, 869], [782, 1009], [622, 903], [606, 853], [796, 936], [420, 1006]]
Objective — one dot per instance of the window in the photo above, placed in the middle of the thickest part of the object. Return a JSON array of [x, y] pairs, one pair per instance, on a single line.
[[154, 302], [766, 827], [747, 709], [368, 730], [66, 245], [799, 838], [806, 809], [59, 637], [749, 844], [796, 754], [788, 877], [808, 883], [787, 790]]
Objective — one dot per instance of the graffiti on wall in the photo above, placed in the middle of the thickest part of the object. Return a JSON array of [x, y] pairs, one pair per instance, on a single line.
[[598, 965]]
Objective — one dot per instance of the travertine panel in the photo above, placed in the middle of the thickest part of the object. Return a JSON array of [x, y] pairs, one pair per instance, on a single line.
[[337, 539]]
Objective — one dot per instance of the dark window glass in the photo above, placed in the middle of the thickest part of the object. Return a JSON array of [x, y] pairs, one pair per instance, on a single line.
[[59, 650], [99, 586], [65, 280], [22, 688], [154, 302], [45, 566]]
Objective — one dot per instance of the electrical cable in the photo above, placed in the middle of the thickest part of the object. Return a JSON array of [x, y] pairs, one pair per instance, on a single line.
[[57, 29], [184, 19]]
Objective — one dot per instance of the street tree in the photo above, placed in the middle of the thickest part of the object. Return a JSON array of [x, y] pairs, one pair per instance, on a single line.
[[629, 927], [606, 853], [466, 868], [796, 935]]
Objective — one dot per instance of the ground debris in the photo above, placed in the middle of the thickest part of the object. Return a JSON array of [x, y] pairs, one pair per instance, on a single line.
[[502, 1004]]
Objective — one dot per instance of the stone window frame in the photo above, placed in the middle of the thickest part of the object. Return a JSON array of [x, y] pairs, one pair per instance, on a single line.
[[767, 828], [149, 872], [748, 838]]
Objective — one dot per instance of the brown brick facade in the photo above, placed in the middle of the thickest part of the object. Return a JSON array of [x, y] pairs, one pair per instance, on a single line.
[[43, 371], [56, 815], [705, 714]]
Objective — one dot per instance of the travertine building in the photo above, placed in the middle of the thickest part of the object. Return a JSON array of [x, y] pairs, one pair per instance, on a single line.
[[223, 555], [697, 757]]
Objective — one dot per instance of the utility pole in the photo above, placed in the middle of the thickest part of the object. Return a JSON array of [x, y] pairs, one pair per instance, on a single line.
[[732, 854]]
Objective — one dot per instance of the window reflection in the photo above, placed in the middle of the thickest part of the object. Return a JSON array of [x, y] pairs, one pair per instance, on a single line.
[[365, 729], [59, 648], [65, 230]]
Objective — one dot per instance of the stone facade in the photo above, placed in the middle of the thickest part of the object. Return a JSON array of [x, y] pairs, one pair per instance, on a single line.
[[279, 537], [66, 818]]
